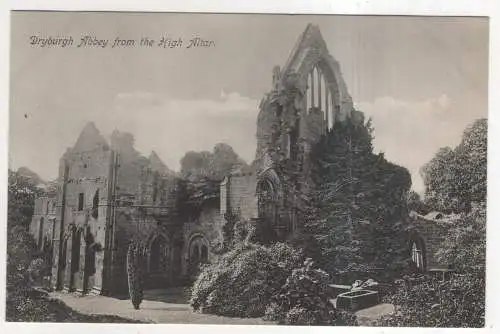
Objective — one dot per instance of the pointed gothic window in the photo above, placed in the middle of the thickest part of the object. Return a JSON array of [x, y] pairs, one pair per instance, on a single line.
[[158, 252], [309, 93], [417, 256], [40, 234], [204, 254]]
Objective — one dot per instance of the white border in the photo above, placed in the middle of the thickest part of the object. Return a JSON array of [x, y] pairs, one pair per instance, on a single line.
[[356, 7]]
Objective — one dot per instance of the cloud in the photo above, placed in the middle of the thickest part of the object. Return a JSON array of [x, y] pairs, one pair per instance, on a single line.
[[172, 127], [411, 132]]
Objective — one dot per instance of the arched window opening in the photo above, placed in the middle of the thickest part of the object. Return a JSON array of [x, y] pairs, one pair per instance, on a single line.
[[265, 194], [157, 250], [198, 253], [314, 87], [75, 251], [331, 111], [40, 234], [417, 256], [95, 205], [204, 254], [309, 93], [267, 208], [320, 87]]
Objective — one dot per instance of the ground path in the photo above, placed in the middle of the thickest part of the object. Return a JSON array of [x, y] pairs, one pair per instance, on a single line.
[[171, 306], [158, 306]]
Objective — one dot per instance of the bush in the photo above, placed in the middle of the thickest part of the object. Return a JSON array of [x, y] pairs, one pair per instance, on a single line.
[[464, 247], [305, 300], [242, 282], [428, 302], [135, 276]]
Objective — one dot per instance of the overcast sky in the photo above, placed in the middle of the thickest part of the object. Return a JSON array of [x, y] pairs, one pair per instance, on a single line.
[[422, 80]]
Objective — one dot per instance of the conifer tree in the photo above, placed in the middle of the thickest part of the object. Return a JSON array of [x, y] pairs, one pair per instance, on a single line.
[[135, 275], [355, 206]]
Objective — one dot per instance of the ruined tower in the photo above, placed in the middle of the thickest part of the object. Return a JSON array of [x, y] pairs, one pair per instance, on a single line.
[[307, 97]]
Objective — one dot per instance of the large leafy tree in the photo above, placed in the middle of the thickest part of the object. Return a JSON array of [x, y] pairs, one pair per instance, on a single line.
[[462, 188], [456, 177], [20, 245], [201, 174], [358, 202]]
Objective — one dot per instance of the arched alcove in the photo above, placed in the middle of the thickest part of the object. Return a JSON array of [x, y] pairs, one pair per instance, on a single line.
[[158, 252], [418, 252], [197, 252], [40, 234]]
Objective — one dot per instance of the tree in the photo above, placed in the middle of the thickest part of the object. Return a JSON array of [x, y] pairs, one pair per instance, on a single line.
[[455, 178], [415, 203], [464, 247], [201, 174], [355, 209], [21, 248], [135, 275]]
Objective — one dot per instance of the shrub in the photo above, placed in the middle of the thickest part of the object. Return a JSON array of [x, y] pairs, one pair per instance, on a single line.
[[428, 302], [464, 247], [244, 279], [135, 275], [305, 300]]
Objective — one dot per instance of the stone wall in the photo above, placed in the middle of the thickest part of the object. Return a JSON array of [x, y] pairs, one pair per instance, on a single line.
[[208, 228], [42, 226], [239, 193], [87, 194], [432, 232]]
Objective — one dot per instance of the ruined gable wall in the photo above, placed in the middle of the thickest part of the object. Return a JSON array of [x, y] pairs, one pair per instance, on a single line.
[[89, 172]]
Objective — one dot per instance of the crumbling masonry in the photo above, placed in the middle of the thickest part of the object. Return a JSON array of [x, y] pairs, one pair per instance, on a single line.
[[108, 194]]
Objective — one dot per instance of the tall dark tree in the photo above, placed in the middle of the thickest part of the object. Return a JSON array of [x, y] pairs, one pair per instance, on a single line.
[[355, 208], [135, 275]]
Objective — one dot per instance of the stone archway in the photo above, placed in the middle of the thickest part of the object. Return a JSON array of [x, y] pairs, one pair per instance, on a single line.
[[159, 261], [417, 252], [198, 253], [268, 194]]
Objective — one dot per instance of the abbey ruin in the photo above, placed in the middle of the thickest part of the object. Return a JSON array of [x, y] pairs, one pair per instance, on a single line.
[[109, 194]]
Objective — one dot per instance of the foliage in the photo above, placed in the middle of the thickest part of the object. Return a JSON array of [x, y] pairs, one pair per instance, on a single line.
[[464, 247], [305, 300], [244, 231], [244, 279], [415, 203], [355, 210], [455, 178], [22, 192], [455, 181], [201, 174], [23, 268], [429, 302], [135, 275]]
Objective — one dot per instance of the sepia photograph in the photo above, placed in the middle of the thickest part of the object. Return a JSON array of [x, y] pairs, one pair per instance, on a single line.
[[247, 169]]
